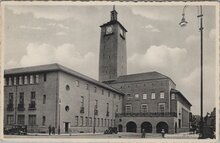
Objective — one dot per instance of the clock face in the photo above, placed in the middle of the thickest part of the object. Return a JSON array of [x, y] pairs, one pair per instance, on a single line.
[[109, 29]]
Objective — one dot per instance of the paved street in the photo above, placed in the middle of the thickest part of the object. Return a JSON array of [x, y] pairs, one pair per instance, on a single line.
[[99, 135]]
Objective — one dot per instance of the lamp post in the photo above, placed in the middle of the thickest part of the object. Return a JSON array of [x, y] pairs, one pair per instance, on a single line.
[[182, 24]]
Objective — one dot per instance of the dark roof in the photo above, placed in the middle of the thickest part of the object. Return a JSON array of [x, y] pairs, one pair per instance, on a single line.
[[181, 95], [113, 22], [139, 77], [56, 67]]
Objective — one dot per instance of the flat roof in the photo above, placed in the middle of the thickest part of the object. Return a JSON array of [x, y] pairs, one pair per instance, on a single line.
[[57, 67], [181, 95]]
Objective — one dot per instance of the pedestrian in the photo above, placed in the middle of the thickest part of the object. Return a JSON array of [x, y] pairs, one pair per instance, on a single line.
[[49, 128], [163, 133], [143, 133], [53, 130]]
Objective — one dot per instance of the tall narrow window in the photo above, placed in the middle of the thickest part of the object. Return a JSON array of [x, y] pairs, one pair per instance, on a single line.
[[31, 79], [43, 120], [9, 81], [172, 96], [102, 91], [10, 99], [116, 110], [107, 113], [161, 107], [153, 95], [144, 96], [162, 95], [82, 102], [144, 108], [108, 93], [32, 120], [102, 122], [87, 121], [20, 80], [15, 80], [96, 104], [21, 98], [90, 121], [21, 119], [76, 120], [45, 77], [44, 99], [10, 119], [37, 78], [128, 108], [77, 83], [25, 80], [98, 124], [81, 121]]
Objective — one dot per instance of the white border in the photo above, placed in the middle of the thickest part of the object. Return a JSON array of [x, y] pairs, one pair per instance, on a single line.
[[216, 4]]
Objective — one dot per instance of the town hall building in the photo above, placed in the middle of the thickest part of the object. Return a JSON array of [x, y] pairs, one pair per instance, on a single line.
[[56, 96]]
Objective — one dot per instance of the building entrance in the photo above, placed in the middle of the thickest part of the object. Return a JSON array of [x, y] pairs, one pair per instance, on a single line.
[[66, 127], [162, 125], [131, 127], [147, 126], [120, 128]]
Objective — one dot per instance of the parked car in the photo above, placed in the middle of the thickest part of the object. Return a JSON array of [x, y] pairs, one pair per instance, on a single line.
[[111, 130], [16, 130]]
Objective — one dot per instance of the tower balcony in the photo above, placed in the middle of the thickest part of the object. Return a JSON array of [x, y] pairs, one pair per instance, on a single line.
[[148, 114], [10, 107], [21, 107]]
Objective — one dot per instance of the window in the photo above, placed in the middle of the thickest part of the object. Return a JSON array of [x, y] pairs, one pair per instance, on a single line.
[[44, 99], [153, 95], [37, 78], [81, 120], [128, 108], [76, 120], [144, 108], [102, 91], [101, 122], [162, 95], [129, 96], [15, 80], [82, 102], [21, 119], [144, 96], [45, 77], [95, 89], [67, 87], [107, 113], [96, 104], [43, 120], [77, 83], [98, 124], [87, 86], [136, 96], [33, 95], [10, 99], [87, 121], [25, 80], [32, 120], [67, 108], [10, 119], [172, 96], [108, 93], [116, 110], [161, 107], [31, 79], [9, 81], [21, 98], [90, 121], [20, 80]]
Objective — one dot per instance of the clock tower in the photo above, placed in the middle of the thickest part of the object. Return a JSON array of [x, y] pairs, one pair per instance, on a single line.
[[113, 53]]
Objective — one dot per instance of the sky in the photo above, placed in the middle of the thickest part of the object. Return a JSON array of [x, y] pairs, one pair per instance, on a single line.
[[70, 35]]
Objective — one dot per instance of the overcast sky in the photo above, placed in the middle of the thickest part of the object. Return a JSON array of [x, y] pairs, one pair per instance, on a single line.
[[70, 35]]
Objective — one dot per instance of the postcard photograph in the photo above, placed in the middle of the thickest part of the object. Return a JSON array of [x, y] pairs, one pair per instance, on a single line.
[[110, 70]]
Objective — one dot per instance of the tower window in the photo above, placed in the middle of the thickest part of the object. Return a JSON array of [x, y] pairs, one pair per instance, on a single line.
[[162, 95], [45, 77]]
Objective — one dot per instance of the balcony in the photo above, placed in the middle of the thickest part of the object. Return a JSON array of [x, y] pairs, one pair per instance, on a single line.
[[81, 109], [32, 106], [21, 107], [148, 114], [10, 107], [95, 112]]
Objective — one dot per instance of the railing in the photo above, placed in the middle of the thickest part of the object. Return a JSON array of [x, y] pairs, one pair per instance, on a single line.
[[81, 109], [148, 114], [10, 107], [32, 106], [21, 107]]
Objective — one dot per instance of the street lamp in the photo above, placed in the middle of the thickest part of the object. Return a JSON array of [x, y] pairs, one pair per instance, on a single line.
[[182, 24]]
